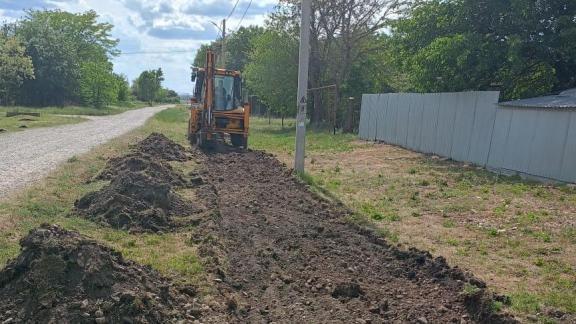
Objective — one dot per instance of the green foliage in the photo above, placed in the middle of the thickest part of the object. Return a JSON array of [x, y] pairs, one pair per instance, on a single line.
[[272, 72], [148, 86], [15, 67], [98, 85], [59, 44], [518, 45]]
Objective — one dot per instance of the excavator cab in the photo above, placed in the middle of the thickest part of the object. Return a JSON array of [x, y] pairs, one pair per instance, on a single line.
[[217, 111]]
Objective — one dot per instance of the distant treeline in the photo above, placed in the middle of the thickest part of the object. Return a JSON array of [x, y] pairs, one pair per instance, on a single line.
[[524, 48], [55, 58]]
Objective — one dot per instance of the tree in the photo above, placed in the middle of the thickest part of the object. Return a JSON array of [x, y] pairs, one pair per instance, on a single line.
[[340, 35], [123, 93], [238, 48], [272, 71], [15, 67], [58, 44], [98, 86], [148, 86], [517, 45], [239, 45]]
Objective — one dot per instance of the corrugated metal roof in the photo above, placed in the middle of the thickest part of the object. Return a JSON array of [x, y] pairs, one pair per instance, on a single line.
[[566, 99]]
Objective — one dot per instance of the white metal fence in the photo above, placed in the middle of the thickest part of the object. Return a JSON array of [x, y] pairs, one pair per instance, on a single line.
[[471, 127]]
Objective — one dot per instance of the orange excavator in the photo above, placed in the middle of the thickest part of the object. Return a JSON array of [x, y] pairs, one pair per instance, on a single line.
[[217, 111]]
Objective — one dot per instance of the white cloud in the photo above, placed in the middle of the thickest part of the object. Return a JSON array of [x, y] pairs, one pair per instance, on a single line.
[[155, 26]]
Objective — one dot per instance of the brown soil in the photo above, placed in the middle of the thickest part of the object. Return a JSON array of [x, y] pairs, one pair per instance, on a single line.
[[162, 147], [141, 196], [280, 253], [140, 162], [64, 277]]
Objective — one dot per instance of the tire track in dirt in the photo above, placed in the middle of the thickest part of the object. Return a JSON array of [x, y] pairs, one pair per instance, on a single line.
[[280, 254]]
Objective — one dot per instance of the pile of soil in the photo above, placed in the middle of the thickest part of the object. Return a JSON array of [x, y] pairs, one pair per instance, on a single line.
[[64, 277], [138, 162], [140, 196], [160, 146], [280, 253]]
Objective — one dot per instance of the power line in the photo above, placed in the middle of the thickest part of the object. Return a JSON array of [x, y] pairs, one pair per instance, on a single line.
[[232, 11], [245, 11]]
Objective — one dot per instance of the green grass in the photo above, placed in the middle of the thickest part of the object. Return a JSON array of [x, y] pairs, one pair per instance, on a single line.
[[52, 201], [272, 137], [16, 123], [54, 116], [78, 110]]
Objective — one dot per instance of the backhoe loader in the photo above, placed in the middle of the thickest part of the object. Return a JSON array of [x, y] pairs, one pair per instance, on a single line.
[[217, 111]]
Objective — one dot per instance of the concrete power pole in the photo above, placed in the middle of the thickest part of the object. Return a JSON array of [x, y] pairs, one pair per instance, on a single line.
[[304, 57]]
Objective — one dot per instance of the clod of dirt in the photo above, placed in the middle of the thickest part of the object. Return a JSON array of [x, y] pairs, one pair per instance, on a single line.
[[137, 202], [22, 126], [144, 163], [347, 290], [64, 277], [160, 146]]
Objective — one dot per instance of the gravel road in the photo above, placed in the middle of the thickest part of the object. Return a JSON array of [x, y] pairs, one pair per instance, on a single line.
[[28, 156]]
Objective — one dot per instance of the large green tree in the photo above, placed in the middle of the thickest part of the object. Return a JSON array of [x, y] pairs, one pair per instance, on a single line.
[[59, 43], [272, 71], [15, 67], [525, 47], [148, 86], [98, 84]]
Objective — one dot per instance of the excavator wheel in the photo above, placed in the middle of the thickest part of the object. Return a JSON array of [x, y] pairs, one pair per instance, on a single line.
[[203, 142], [238, 140]]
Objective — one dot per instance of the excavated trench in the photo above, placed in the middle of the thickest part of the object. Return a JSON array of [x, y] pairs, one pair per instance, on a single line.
[[283, 254]]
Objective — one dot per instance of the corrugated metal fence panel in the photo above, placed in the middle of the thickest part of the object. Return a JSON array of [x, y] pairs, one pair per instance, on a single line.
[[481, 136], [364, 117], [388, 123], [464, 122], [415, 122], [548, 145], [402, 119], [446, 117], [382, 108], [429, 121], [518, 145], [372, 122], [391, 117], [499, 137], [569, 161]]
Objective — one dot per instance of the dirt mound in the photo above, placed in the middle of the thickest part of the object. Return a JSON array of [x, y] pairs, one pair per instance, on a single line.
[[160, 146], [64, 277], [138, 162], [137, 202], [141, 195], [283, 254]]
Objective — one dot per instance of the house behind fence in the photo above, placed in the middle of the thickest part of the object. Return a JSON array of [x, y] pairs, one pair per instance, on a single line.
[[535, 138]]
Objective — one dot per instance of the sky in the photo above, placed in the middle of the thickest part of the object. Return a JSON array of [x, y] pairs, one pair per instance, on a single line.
[[156, 26]]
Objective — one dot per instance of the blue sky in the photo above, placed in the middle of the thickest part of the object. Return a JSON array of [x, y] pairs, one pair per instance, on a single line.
[[155, 26]]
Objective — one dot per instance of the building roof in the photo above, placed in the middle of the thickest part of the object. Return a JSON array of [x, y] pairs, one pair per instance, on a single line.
[[566, 99]]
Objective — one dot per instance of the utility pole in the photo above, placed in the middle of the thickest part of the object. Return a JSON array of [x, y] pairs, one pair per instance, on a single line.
[[301, 99], [223, 43]]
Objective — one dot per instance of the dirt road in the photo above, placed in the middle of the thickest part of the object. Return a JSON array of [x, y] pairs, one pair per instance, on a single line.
[[28, 156]]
